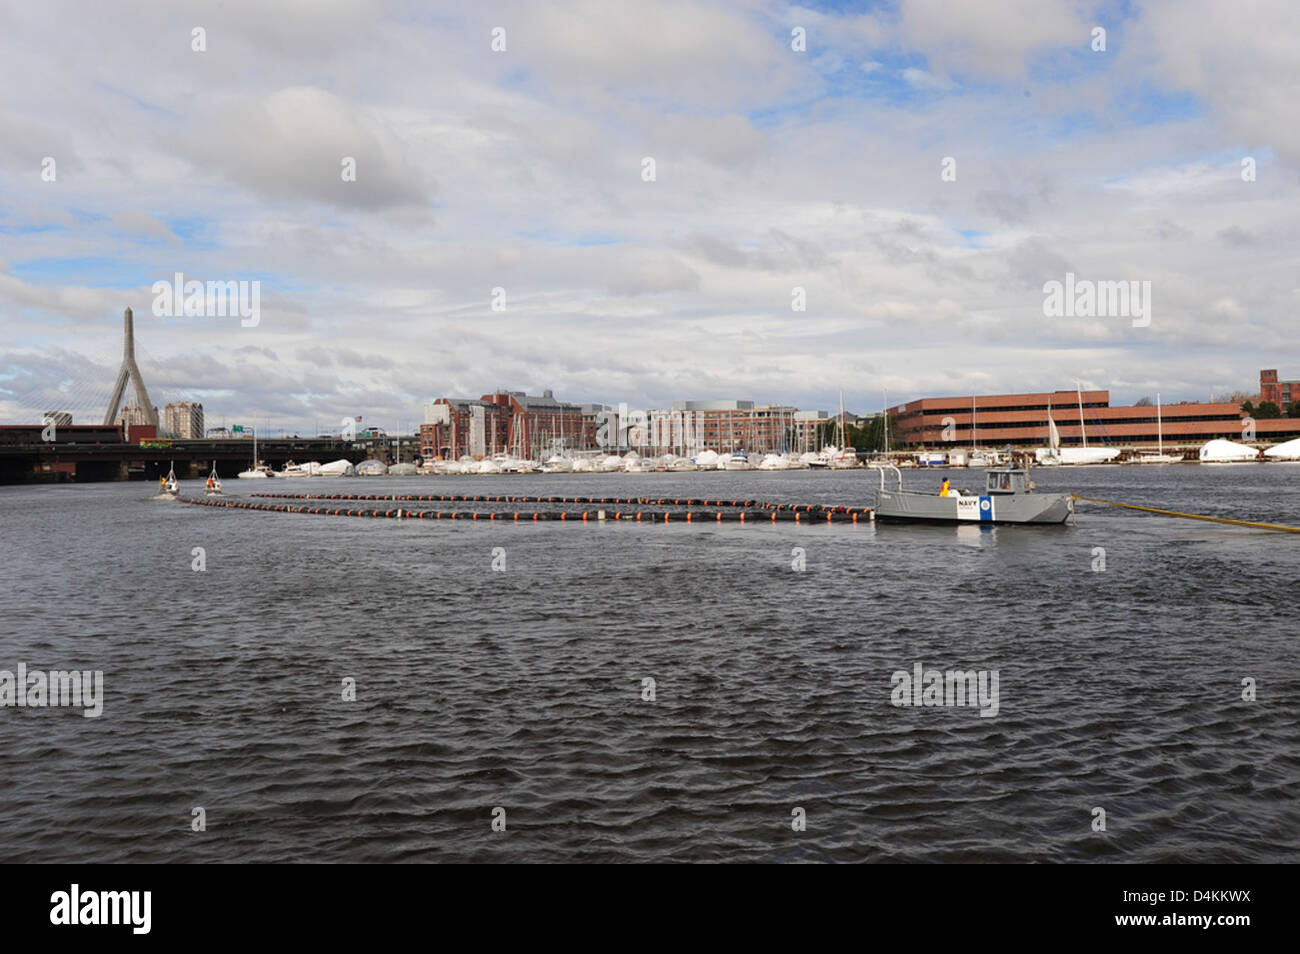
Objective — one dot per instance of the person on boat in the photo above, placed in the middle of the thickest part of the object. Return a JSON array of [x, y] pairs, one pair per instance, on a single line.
[[943, 491]]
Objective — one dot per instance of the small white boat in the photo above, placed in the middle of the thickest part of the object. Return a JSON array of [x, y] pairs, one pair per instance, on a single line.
[[213, 487], [1088, 455], [310, 469], [406, 469], [169, 484], [371, 468], [338, 468], [737, 460], [555, 464]]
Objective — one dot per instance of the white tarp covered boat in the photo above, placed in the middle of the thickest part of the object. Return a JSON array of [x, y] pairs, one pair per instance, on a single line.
[[1288, 451], [338, 468], [1219, 451]]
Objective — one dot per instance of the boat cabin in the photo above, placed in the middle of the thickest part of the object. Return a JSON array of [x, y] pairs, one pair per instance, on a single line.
[[1008, 480]]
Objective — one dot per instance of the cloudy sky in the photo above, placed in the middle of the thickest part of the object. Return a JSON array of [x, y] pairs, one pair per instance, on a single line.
[[523, 169]]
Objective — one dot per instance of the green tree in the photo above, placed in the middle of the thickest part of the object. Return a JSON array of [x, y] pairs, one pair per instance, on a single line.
[[1267, 410], [869, 438], [1248, 409], [1294, 410]]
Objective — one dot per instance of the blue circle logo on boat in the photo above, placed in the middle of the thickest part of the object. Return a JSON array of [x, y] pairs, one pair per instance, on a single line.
[[984, 504]]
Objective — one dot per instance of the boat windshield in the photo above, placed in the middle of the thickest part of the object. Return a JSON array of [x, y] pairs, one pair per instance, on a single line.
[[1006, 482]]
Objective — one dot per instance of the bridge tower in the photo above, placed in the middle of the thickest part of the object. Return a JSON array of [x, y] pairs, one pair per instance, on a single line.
[[130, 370]]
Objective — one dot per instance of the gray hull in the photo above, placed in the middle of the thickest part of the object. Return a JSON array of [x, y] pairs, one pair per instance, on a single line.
[[990, 508]]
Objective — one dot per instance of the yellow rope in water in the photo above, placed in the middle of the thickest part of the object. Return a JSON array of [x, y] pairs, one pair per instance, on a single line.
[[1191, 516]]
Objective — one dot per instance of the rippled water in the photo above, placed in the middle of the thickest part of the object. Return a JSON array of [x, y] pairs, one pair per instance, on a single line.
[[522, 689]]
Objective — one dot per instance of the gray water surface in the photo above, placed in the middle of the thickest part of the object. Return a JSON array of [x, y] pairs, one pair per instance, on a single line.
[[522, 689]]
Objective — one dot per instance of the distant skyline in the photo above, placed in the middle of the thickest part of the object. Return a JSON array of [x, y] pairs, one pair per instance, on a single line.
[[128, 155]]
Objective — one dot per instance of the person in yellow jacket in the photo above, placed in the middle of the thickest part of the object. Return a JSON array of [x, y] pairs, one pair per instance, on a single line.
[[943, 491]]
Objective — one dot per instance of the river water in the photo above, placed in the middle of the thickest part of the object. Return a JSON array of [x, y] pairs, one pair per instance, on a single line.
[[1120, 684]]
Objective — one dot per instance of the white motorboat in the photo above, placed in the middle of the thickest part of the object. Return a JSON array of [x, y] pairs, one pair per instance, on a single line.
[[338, 468], [310, 469], [737, 461]]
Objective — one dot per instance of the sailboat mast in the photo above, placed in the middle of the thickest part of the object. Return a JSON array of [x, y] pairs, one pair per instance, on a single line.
[[1083, 428], [1160, 428], [844, 436], [972, 423], [884, 416]]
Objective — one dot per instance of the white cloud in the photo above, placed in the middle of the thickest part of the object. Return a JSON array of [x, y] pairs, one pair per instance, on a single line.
[[522, 170]]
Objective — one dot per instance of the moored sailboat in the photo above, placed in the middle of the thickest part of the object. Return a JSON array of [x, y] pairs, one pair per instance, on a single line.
[[1159, 457]]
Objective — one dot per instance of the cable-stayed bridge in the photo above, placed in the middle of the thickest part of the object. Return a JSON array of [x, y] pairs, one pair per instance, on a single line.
[[46, 443]]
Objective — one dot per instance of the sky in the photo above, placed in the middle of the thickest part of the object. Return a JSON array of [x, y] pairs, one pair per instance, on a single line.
[[524, 169]]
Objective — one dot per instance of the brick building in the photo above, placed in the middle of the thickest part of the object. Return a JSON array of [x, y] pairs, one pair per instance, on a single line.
[[1021, 420], [1281, 393], [509, 422]]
